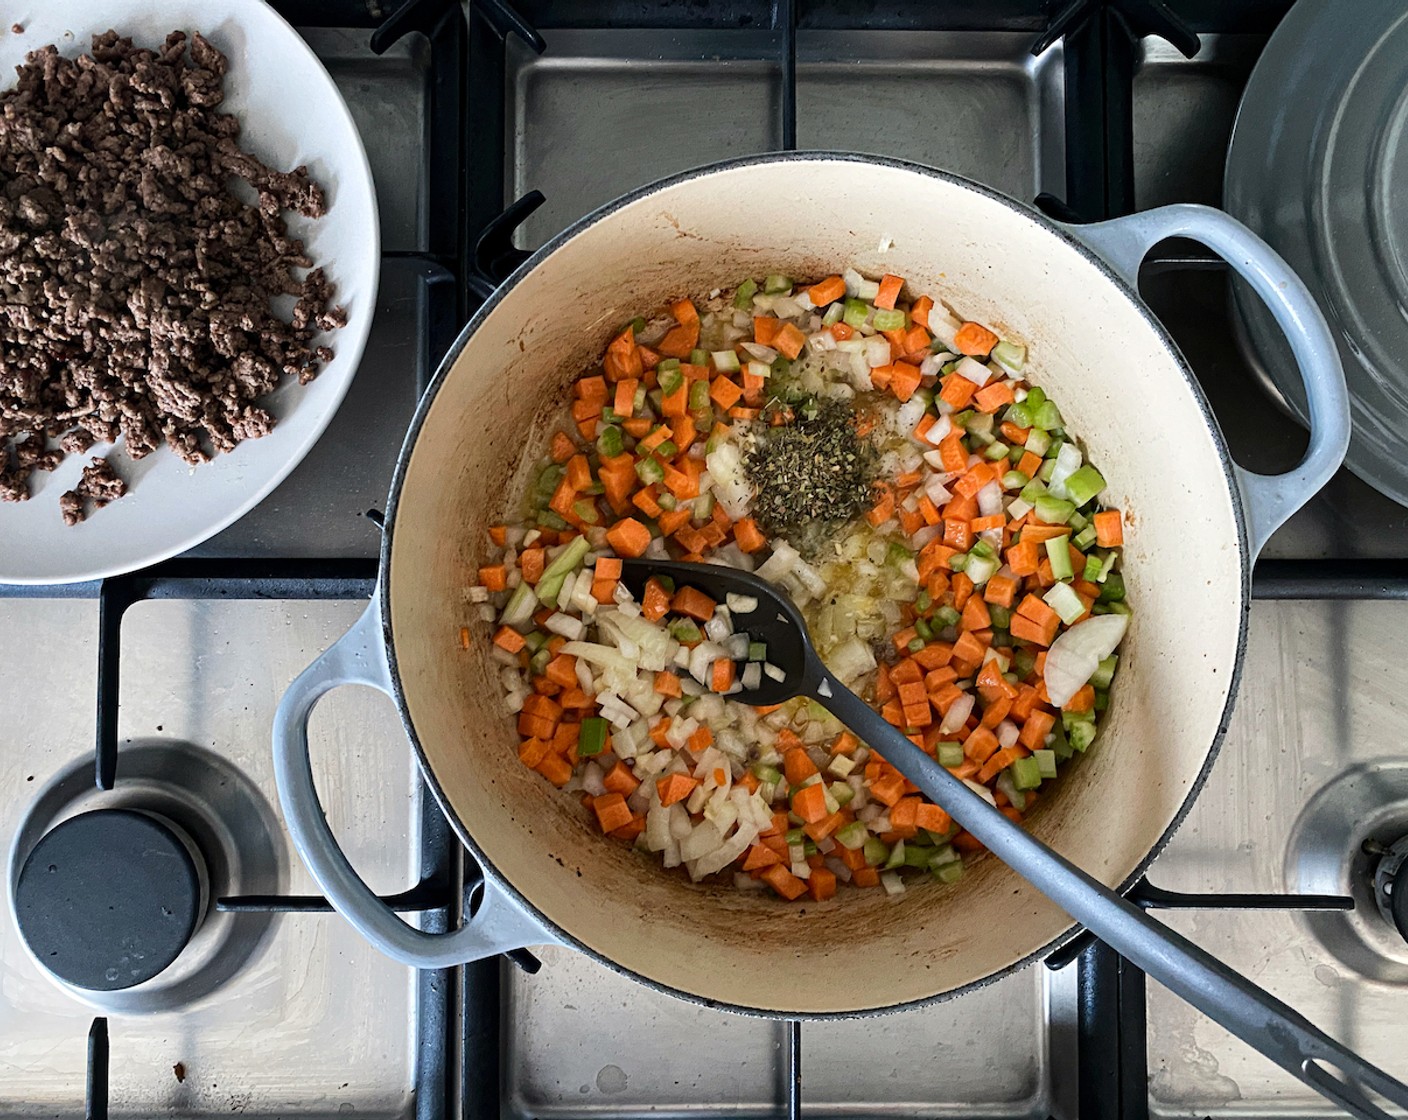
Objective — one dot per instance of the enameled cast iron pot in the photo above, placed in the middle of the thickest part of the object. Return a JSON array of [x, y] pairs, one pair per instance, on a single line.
[[1196, 523]]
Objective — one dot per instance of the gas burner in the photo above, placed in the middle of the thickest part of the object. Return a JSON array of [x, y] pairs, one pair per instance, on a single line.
[[1352, 838], [1391, 881], [112, 890]]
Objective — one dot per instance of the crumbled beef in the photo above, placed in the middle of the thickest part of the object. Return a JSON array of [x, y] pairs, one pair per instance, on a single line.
[[136, 290]]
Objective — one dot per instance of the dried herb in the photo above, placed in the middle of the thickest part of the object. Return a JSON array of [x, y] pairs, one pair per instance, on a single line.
[[813, 474]]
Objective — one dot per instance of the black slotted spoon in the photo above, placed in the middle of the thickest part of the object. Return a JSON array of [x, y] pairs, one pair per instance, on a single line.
[[1219, 992]]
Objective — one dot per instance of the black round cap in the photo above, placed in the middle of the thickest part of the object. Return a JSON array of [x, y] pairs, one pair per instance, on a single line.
[[108, 899]]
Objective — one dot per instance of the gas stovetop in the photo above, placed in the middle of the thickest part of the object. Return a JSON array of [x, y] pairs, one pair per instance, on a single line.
[[155, 692]]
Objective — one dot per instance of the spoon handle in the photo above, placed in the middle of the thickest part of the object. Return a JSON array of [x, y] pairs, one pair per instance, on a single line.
[[1224, 995]]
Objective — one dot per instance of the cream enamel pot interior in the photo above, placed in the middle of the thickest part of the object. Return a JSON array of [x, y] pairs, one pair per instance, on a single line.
[[1196, 522]]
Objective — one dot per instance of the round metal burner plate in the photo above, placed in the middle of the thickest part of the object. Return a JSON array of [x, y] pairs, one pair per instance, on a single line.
[[227, 819], [108, 899], [1368, 802]]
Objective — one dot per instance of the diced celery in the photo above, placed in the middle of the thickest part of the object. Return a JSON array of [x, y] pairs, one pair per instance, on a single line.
[[550, 520], [766, 774], [1026, 773], [1048, 416], [962, 419], [1046, 762], [610, 416], [794, 836], [776, 284], [1112, 590], [923, 601], [888, 320], [896, 856], [921, 627], [982, 568], [1084, 484], [538, 663], [1053, 511], [948, 872], [535, 641], [1018, 414], [1102, 700], [833, 314], [699, 357], [608, 441], [852, 836], [917, 855], [1064, 601], [1094, 566], [1032, 491], [980, 424], [1081, 735], [725, 361], [586, 510], [667, 449], [557, 572], [947, 616], [1048, 468], [1077, 521], [1105, 672], [743, 298], [649, 470], [684, 631], [670, 379], [856, 313], [699, 394], [950, 754], [915, 645], [1014, 480], [1085, 538], [943, 854], [997, 450], [666, 501], [1036, 397], [982, 549], [1001, 616], [1038, 441], [1010, 355], [780, 367], [876, 851], [638, 401], [591, 736], [841, 792], [547, 480], [1023, 662], [1060, 556]]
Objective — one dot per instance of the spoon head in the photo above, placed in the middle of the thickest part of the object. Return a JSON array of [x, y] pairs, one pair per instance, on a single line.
[[775, 620]]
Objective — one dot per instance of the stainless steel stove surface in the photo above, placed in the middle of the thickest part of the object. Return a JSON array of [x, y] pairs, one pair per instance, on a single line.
[[304, 1019]]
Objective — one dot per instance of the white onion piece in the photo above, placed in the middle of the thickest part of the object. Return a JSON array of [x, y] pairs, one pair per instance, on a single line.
[[877, 352], [989, 499], [1068, 460], [958, 713], [974, 371], [760, 352], [1075, 655], [1007, 733]]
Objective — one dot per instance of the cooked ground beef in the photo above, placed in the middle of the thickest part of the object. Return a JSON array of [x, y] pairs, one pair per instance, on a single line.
[[136, 290]]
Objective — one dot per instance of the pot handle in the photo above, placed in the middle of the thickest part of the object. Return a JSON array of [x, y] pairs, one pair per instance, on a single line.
[[499, 924], [1269, 499]]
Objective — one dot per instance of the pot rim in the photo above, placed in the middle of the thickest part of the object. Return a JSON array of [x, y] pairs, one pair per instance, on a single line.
[[447, 364]]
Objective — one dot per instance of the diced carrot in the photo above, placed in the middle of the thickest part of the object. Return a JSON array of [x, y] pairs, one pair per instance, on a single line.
[[562, 447], [765, 329], [619, 779], [809, 803], [888, 788], [556, 769], [693, 602], [1082, 701], [592, 391], [533, 751], [676, 403], [1027, 630], [951, 451], [904, 814], [865, 877], [1023, 558], [962, 590], [760, 856], [621, 358], [1000, 761], [884, 507], [625, 399], [957, 391], [675, 787], [1109, 529], [579, 472], [508, 638], [790, 341], [889, 293], [494, 577], [611, 811], [797, 766], [932, 818], [638, 427], [904, 380], [968, 649], [826, 291], [994, 395], [975, 614], [1038, 610], [780, 879], [1000, 590], [618, 479], [974, 339], [724, 392], [562, 670], [980, 745], [679, 341], [628, 537], [650, 442], [916, 343], [821, 884], [604, 590], [655, 601], [748, 536], [721, 678], [1035, 730]]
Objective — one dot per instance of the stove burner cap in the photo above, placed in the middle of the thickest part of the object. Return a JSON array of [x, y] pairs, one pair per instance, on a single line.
[[1391, 882], [108, 899]]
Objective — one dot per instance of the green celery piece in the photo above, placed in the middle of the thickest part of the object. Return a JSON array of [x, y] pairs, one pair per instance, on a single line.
[[997, 451], [550, 520], [586, 510], [888, 320], [946, 615], [1102, 700], [609, 442], [557, 572], [1018, 414], [876, 851], [834, 313], [1105, 672], [667, 449], [699, 357], [1010, 355], [1023, 662], [776, 284], [1001, 616], [1046, 762], [743, 298], [649, 470], [1093, 567], [767, 774], [1014, 480], [852, 836], [670, 379], [794, 836], [948, 872], [1053, 511], [666, 501], [917, 855], [921, 627], [757, 651], [535, 641], [923, 601], [1038, 441], [983, 549], [1085, 538], [538, 663], [1112, 590], [950, 754], [915, 644], [896, 856], [1084, 484], [699, 394], [1048, 416], [591, 736], [958, 561], [684, 631], [1032, 491], [726, 361], [842, 792], [856, 313], [1081, 735], [1026, 773], [1060, 556]]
